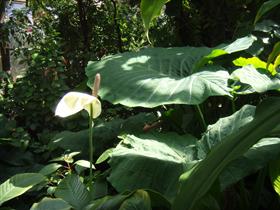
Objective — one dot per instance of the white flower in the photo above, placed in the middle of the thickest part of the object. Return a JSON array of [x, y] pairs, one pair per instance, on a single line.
[[73, 102]]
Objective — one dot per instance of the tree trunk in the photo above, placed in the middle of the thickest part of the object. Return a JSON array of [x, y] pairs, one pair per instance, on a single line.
[[83, 24]]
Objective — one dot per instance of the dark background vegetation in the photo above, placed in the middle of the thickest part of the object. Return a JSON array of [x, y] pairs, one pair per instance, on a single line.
[[55, 49]]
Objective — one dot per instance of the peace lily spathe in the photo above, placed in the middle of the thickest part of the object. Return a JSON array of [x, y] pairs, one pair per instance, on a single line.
[[73, 102]]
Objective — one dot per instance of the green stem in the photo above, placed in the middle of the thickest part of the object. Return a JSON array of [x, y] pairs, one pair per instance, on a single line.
[[90, 147], [201, 117], [233, 106], [244, 197], [258, 189]]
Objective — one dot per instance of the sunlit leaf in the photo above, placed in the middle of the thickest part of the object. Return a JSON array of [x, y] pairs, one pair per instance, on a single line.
[[83, 163], [158, 76], [259, 81], [236, 46], [256, 62]]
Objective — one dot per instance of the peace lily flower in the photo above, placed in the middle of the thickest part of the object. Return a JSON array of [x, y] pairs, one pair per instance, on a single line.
[[73, 102]]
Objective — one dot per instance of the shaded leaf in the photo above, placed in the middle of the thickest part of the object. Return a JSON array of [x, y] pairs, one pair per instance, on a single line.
[[254, 159], [273, 55], [108, 202], [197, 181], [139, 200], [265, 8], [51, 203], [224, 127], [274, 171], [50, 168], [73, 191], [105, 134], [19, 184], [151, 161]]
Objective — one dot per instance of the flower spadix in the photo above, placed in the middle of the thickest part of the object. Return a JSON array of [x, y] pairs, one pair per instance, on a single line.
[[73, 102]]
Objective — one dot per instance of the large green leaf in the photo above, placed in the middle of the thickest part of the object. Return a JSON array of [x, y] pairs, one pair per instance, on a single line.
[[73, 191], [51, 203], [254, 159], [197, 181], [151, 9], [105, 134], [151, 161], [236, 46], [259, 81], [224, 127], [157, 76], [19, 184], [265, 8]]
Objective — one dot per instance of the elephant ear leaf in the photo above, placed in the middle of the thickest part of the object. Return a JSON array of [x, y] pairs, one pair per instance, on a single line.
[[254, 159], [196, 182], [159, 76], [153, 77], [151, 161]]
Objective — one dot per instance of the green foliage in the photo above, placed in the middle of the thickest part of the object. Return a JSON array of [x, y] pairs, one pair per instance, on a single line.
[[274, 56], [151, 10], [180, 102], [135, 158], [274, 172], [176, 68], [33, 94], [265, 8], [259, 81], [197, 181], [18, 185], [51, 203], [73, 191]]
